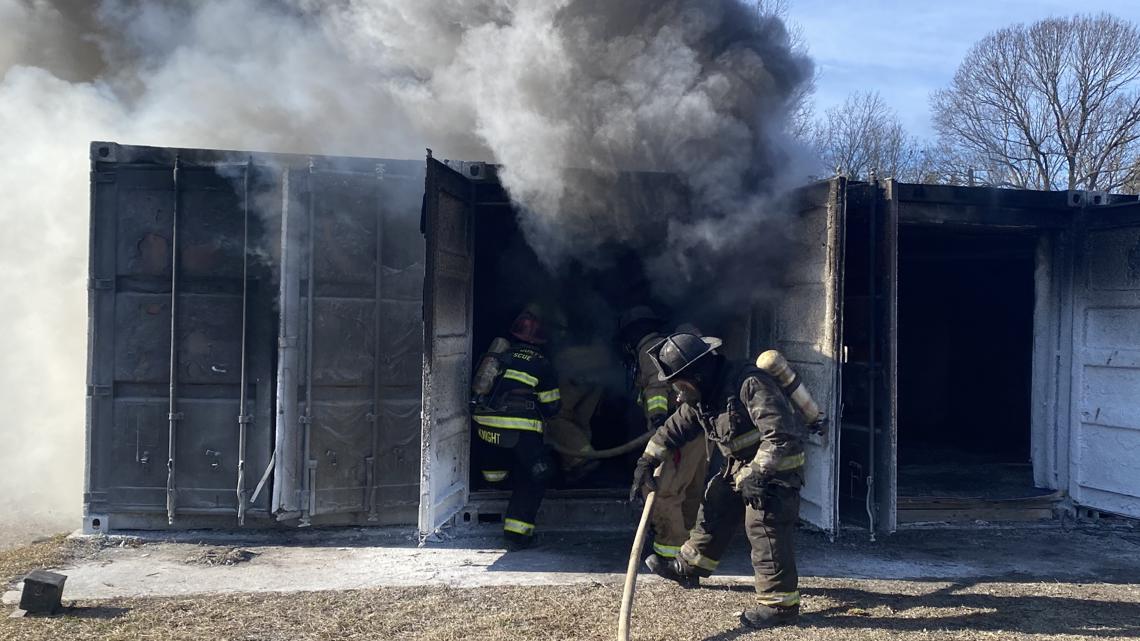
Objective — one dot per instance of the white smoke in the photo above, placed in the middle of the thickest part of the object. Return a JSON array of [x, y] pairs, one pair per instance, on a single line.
[[539, 86]]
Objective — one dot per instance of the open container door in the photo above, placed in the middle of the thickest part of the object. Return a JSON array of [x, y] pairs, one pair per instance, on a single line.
[[446, 438], [807, 329], [1105, 423]]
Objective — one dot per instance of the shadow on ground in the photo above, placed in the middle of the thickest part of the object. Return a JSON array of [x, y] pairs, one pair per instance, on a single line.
[[98, 612], [1106, 556], [955, 608]]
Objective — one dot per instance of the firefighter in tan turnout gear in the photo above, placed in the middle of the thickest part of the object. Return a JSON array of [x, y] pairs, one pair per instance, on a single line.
[[516, 391], [757, 469], [581, 370], [680, 485]]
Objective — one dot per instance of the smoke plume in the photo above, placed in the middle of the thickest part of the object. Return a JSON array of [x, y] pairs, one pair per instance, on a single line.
[[563, 94]]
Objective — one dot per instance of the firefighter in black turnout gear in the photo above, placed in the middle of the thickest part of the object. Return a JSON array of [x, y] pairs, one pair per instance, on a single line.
[[509, 419], [757, 470]]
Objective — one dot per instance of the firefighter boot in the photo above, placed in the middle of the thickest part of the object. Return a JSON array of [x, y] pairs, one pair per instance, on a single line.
[[767, 616], [673, 569], [516, 542]]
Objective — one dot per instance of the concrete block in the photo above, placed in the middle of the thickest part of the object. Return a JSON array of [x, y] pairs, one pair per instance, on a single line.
[[43, 592]]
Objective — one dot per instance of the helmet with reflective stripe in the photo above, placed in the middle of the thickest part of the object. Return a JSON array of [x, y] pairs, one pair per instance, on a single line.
[[528, 328], [678, 353]]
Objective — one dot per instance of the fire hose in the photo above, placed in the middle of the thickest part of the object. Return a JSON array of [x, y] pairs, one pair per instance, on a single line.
[[626, 612], [636, 443]]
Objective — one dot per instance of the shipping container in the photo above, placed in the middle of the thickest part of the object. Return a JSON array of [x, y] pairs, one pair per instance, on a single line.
[[255, 338], [284, 340]]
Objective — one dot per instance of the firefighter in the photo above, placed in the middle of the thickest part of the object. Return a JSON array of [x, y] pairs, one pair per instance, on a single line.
[[509, 422], [582, 370], [681, 482], [757, 470]]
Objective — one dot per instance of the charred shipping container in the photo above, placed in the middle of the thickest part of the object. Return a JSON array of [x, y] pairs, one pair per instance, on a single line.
[[247, 304], [284, 339]]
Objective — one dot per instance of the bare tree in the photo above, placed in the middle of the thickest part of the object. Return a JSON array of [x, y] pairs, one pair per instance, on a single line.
[[802, 104], [864, 135], [1052, 105]]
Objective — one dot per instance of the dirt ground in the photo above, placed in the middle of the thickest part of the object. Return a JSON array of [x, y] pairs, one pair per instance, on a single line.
[[834, 609], [1101, 600]]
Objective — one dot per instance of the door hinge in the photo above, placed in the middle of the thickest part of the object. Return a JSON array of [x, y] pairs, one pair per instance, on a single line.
[[103, 284], [105, 176]]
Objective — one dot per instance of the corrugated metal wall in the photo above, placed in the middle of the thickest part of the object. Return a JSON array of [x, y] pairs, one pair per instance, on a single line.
[[205, 240]]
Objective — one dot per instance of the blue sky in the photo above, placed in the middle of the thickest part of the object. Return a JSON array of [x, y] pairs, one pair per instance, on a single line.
[[906, 50]]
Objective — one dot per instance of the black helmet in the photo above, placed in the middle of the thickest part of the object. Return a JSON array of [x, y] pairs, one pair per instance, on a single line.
[[638, 314], [676, 353]]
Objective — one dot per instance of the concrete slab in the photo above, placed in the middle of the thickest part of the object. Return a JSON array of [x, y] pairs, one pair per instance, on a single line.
[[358, 559]]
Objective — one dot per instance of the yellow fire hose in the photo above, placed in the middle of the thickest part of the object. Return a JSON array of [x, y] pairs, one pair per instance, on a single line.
[[642, 526], [610, 453], [631, 570]]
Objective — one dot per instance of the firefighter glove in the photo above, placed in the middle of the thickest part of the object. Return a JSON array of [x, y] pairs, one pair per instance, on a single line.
[[819, 425], [750, 486], [643, 476]]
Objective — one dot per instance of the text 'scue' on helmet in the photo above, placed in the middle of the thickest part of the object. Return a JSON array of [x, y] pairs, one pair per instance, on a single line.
[[677, 353], [528, 328]]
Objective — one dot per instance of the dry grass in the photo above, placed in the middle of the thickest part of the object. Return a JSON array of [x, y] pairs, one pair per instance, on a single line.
[[52, 552], [835, 610], [46, 553]]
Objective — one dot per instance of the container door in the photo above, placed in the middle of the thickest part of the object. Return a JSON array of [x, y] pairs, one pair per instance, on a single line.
[[349, 357], [866, 471], [172, 433], [1105, 423], [446, 438], [807, 331]]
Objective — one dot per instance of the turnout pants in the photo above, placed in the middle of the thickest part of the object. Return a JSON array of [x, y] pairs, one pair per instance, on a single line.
[[680, 488], [571, 428], [521, 462], [771, 531]]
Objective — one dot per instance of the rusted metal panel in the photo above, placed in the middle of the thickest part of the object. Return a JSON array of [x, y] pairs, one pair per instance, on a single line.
[[445, 439], [807, 330], [1105, 427]]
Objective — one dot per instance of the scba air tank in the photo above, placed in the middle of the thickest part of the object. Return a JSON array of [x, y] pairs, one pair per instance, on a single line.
[[777, 366], [489, 368]]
